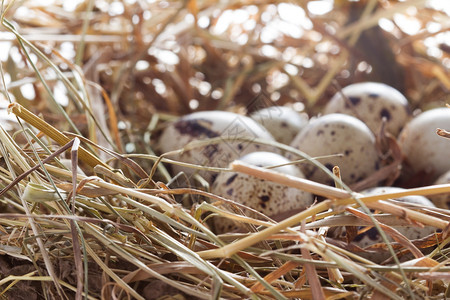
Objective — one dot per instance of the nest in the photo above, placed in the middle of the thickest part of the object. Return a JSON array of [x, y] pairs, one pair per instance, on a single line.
[[86, 208]]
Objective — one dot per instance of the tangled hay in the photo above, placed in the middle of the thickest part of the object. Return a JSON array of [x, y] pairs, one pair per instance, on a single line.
[[86, 208]]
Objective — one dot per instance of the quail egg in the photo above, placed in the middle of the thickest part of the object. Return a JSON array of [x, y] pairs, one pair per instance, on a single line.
[[345, 141], [442, 200], [281, 121], [424, 151], [371, 102], [372, 236], [211, 124], [264, 196]]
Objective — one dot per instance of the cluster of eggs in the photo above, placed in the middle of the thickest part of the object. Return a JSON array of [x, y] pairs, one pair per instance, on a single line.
[[344, 135]]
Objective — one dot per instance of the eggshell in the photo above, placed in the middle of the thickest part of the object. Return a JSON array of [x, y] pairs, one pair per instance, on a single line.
[[212, 124], [423, 149], [337, 134], [412, 232], [281, 121], [370, 102], [264, 196]]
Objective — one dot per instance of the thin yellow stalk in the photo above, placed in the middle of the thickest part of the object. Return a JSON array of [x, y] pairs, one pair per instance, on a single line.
[[344, 197], [53, 133], [291, 181], [163, 204], [230, 249], [334, 273], [111, 273], [338, 180], [27, 277], [408, 214]]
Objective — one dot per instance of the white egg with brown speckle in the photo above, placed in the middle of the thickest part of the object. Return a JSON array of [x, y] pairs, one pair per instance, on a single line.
[[346, 141], [371, 102], [281, 121], [226, 126], [267, 197], [425, 152], [372, 236]]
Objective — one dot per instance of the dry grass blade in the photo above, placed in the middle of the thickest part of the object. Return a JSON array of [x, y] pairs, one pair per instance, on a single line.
[[286, 267], [392, 232], [313, 279], [110, 219], [73, 228], [230, 249], [443, 133], [303, 184], [53, 133]]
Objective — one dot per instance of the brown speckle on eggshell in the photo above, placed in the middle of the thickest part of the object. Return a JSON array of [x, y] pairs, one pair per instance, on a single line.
[[266, 197], [212, 124], [282, 122], [370, 102], [339, 134]]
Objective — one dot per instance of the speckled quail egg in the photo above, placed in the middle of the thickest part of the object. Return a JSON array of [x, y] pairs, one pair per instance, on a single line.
[[412, 232], [370, 102], [210, 124], [281, 121], [267, 197], [337, 134], [424, 151], [442, 200]]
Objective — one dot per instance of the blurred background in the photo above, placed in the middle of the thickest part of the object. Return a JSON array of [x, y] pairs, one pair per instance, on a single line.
[[174, 57]]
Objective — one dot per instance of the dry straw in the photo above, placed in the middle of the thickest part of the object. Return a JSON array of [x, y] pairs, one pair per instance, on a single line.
[[83, 218]]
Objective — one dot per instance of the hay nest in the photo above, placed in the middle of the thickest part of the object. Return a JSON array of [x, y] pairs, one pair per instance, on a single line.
[[88, 208]]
